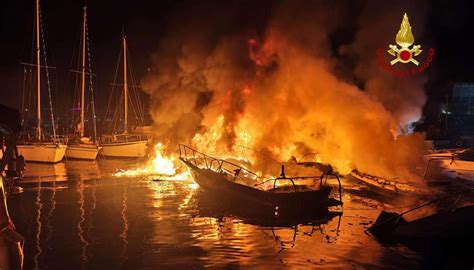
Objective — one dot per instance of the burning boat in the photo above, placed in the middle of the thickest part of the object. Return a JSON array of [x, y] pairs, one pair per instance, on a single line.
[[224, 177], [390, 185]]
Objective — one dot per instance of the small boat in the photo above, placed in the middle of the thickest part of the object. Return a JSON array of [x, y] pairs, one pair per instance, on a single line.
[[125, 144], [224, 177], [443, 225], [85, 151], [448, 228], [40, 149], [83, 148]]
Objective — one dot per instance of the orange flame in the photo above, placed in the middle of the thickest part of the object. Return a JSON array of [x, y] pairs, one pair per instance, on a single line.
[[160, 165]]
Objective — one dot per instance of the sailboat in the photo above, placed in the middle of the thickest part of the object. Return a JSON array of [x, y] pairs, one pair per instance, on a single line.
[[124, 145], [84, 148], [40, 150]]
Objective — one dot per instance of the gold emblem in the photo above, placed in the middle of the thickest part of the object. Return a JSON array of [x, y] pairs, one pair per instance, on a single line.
[[404, 39]]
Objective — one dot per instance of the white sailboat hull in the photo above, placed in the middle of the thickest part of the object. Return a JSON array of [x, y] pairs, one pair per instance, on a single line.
[[42, 152], [83, 151], [134, 149], [449, 165]]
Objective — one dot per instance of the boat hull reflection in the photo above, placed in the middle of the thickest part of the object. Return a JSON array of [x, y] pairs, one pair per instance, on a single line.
[[279, 203], [219, 205]]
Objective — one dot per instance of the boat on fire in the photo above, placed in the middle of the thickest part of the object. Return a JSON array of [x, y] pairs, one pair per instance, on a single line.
[[224, 177], [393, 186]]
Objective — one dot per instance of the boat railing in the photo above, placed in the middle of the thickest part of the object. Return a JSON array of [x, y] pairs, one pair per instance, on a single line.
[[27, 139], [202, 160], [60, 139], [323, 178]]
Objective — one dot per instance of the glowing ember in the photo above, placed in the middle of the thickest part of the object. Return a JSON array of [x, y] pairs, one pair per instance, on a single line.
[[160, 165]]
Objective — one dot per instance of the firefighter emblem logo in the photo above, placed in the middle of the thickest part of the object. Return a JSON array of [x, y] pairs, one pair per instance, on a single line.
[[405, 40]]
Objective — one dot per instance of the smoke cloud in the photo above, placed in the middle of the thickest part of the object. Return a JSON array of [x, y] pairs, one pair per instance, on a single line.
[[274, 78]]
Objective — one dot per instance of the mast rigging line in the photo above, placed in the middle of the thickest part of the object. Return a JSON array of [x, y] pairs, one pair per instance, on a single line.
[[112, 125], [74, 81], [91, 84], [139, 113], [34, 65], [53, 124]]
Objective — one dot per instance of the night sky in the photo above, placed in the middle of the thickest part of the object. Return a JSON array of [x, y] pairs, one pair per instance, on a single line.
[[449, 23]]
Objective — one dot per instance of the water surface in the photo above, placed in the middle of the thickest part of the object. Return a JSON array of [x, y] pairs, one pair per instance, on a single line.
[[77, 215]]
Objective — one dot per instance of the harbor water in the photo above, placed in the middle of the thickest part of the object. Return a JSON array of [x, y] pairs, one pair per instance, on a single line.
[[78, 215]]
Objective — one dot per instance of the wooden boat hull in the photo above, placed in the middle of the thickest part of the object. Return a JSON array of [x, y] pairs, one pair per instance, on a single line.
[[134, 149], [83, 151], [282, 202], [42, 152]]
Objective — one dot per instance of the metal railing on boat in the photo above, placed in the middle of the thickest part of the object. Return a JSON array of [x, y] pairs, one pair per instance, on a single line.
[[202, 160]]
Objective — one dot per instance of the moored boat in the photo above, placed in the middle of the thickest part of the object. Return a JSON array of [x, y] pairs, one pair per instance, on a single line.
[[83, 151], [84, 148], [460, 160], [448, 227], [453, 163], [41, 150], [124, 146]]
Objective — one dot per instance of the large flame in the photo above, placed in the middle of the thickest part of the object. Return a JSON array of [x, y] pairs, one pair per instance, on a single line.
[[161, 166], [280, 92]]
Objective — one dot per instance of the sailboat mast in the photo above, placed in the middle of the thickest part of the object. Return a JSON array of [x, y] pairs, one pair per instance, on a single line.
[[38, 69], [83, 73], [125, 84]]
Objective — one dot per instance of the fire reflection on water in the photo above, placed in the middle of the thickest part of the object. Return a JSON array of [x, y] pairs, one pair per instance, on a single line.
[[124, 233], [90, 227], [39, 205], [49, 216], [80, 224], [119, 222]]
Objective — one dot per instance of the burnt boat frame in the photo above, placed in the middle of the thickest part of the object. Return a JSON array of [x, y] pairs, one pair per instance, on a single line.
[[214, 174]]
